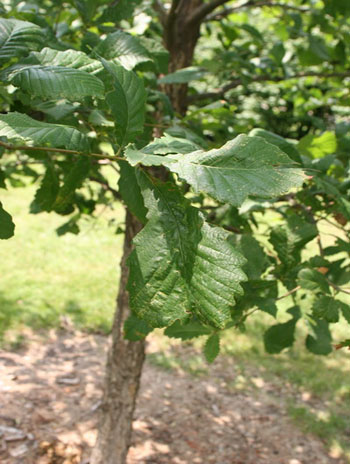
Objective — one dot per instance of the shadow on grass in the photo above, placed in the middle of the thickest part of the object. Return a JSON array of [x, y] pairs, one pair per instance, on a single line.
[[17, 314]]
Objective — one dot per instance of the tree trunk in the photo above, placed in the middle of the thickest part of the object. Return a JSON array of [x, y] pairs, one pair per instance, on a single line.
[[180, 39], [125, 359], [123, 372]]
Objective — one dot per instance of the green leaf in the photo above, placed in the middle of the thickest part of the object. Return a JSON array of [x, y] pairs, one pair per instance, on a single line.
[[135, 157], [318, 47], [136, 329], [69, 227], [311, 279], [335, 7], [344, 206], [7, 227], [281, 336], [55, 82], [345, 309], [2, 179], [124, 49], [46, 195], [72, 182], [280, 142], [327, 308], [86, 8], [130, 191], [320, 341], [117, 11], [187, 331], [268, 305], [183, 76], [20, 127], [320, 146], [188, 134], [17, 38], [289, 239], [160, 55], [212, 348], [257, 260], [127, 103], [167, 144], [242, 167], [180, 264], [68, 59]]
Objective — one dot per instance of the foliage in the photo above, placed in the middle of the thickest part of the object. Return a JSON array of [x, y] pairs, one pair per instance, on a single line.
[[204, 260]]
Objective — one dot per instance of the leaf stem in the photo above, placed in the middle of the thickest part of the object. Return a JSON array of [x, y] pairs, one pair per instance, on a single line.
[[11, 147], [336, 287], [289, 293]]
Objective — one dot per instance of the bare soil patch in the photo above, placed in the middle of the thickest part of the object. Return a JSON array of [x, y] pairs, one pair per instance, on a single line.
[[49, 403]]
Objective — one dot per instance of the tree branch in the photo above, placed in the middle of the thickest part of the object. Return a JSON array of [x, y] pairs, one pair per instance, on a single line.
[[237, 82], [107, 187], [337, 288], [288, 293], [11, 147], [170, 21], [201, 12], [226, 12], [159, 8]]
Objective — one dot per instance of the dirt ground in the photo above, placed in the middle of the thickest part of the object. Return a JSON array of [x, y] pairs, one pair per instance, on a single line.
[[50, 396]]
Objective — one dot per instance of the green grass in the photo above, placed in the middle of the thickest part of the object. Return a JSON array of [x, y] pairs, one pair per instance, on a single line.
[[45, 277]]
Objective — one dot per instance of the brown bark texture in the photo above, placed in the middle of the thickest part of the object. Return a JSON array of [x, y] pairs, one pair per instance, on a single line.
[[180, 39], [123, 372], [125, 359]]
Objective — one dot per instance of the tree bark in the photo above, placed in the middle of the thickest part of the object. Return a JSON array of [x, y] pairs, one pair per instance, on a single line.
[[180, 38], [123, 372], [125, 359]]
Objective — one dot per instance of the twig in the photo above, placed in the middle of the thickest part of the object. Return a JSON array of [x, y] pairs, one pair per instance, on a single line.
[[236, 82], [226, 12], [245, 316], [201, 12], [319, 244], [11, 147], [334, 224], [289, 293], [161, 126], [107, 187], [339, 289]]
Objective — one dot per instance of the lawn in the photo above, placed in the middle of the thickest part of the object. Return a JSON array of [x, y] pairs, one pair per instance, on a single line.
[[45, 277], [48, 281]]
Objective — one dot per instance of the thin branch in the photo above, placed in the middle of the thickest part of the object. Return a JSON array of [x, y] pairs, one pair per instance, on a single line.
[[161, 126], [334, 224], [289, 293], [11, 147], [339, 289], [226, 12], [320, 246], [202, 11], [245, 316], [107, 187], [237, 82]]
